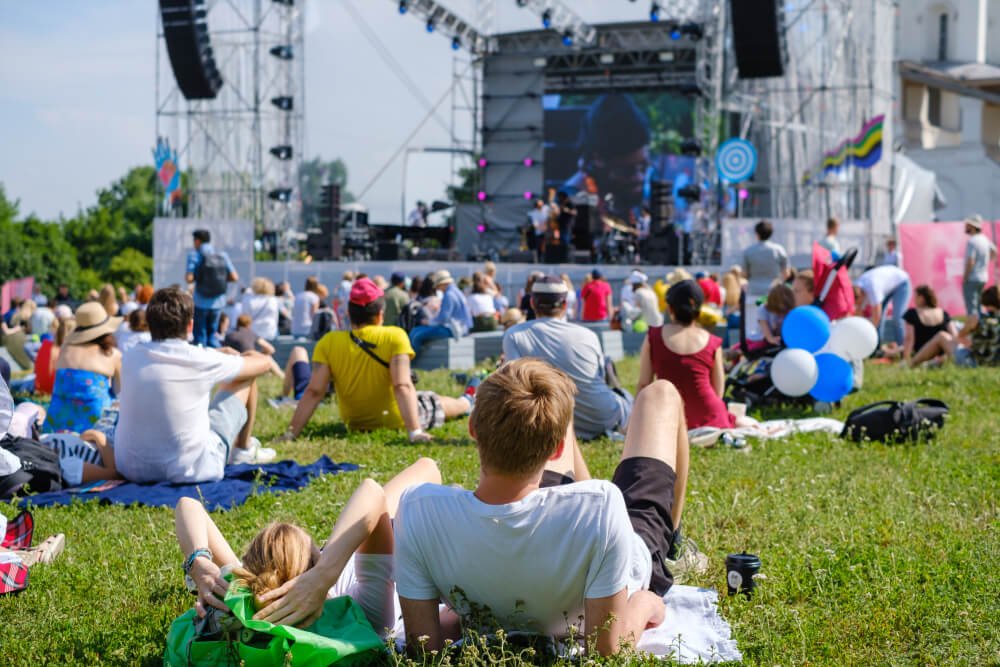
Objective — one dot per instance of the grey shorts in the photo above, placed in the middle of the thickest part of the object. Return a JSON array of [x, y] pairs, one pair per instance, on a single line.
[[963, 357], [227, 415], [625, 404], [429, 410]]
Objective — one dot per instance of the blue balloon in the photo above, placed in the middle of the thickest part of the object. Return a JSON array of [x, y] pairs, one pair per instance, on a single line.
[[806, 328], [836, 378]]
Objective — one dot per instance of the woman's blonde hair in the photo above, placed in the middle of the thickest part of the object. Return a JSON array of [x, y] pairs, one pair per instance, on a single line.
[[569, 283], [732, 286], [278, 554], [65, 328], [261, 285], [109, 299]]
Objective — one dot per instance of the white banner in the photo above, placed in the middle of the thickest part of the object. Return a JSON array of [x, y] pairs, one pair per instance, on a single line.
[[172, 243]]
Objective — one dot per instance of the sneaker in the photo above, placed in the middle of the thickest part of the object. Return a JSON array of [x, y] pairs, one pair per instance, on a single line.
[[686, 559], [44, 553], [470, 390], [283, 402], [254, 453]]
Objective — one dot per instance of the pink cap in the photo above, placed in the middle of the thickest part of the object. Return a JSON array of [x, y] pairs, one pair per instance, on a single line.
[[364, 291]]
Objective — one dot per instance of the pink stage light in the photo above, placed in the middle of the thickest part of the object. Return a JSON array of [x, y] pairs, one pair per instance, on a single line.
[[482, 162], [481, 196], [528, 162], [481, 228], [527, 194], [744, 194]]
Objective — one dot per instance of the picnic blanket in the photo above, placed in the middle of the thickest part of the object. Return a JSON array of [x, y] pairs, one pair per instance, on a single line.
[[706, 436], [238, 484]]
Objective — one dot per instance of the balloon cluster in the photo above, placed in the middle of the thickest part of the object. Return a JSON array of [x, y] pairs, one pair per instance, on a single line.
[[818, 356]]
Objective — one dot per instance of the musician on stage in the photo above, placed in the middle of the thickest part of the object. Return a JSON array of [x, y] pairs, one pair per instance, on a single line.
[[539, 217], [567, 216]]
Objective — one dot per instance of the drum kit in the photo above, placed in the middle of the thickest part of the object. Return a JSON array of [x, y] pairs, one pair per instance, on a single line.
[[618, 244]]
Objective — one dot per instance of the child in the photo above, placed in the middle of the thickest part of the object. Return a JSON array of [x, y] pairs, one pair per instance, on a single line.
[[780, 300]]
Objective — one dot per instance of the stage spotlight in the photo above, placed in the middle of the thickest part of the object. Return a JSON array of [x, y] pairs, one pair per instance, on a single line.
[[522, 3], [654, 12], [666, 56], [607, 59], [691, 148], [675, 34], [744, 194], [283, 152], [283, 102], [482, 163], [287, 3], [480, 228], [540, 62], [282, 195], [431, 25], [567, 38], [528, 162], [283, 52], [403, 6], [481, 196], [456, 43], [547, 18]]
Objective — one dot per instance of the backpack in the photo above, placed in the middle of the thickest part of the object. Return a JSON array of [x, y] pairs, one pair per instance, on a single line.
[[322, 324], [410, 316], [39, 467], [986, 340], [212, 275], [894, 421]]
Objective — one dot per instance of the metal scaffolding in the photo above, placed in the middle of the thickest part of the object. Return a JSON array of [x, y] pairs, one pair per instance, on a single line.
[[235, 146]]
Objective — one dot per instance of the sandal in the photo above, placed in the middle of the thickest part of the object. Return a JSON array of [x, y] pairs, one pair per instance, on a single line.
[[44, 553]]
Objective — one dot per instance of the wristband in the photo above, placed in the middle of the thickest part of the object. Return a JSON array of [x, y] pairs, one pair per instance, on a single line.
[[207, 553], [414, 433]]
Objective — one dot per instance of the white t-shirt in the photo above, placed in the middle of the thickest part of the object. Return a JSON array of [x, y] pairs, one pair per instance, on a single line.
[[628, 294], [646, 301], [302, 312], [879, 282], [481, 304], [539, 218], [978, 249], [263, 310], [532, 562], [163, 429], [126, 339]]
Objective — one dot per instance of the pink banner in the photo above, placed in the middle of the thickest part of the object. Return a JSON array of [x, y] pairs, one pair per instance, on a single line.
[[15, 289], [934, 254]]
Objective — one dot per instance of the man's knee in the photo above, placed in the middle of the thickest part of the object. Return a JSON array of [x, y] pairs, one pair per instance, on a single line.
[[298, 354]]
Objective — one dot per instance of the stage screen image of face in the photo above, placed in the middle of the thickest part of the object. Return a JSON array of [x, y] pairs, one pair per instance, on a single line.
[[616, 144]]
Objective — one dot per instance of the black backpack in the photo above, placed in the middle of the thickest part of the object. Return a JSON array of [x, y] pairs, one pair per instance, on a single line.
[[322, 324], [212, 275], [410, 316], [894, 421], [39, 467]]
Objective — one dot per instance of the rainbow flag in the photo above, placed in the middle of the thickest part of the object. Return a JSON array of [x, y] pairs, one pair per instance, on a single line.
[[864, 151]]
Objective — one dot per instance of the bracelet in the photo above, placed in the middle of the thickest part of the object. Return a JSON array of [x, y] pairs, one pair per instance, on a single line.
[[414, 433], [207, 553]]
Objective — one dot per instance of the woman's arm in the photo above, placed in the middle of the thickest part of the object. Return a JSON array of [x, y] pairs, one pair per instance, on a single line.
[[768, 334], [196, 530], [645, 367], [971, 322], [909, 336], [265, 346], [116, 379], [718, 373]]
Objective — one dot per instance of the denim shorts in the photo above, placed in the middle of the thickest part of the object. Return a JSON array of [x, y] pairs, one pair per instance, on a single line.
[[227, 414]]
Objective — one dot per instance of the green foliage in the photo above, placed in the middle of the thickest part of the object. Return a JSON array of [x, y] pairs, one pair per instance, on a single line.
[[874, 554], [131, 267], [313, 175], [34, 248]]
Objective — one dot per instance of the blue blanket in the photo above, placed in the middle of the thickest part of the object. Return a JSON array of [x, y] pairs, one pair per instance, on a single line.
[[239, 483]]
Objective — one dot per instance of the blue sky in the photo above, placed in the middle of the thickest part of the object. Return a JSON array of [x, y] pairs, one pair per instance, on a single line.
[[77, 94]]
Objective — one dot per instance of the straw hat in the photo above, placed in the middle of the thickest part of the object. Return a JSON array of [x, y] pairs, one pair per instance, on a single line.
[[92, 322], [442, 277], [975, 221]]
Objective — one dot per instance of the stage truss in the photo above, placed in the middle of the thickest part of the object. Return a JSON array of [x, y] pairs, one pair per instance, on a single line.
[[226, 143]]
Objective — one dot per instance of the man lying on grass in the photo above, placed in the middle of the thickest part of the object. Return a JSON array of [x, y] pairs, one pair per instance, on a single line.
[[369, 367], [534, 550]]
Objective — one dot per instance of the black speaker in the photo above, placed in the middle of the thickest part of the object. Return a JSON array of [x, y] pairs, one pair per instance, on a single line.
[[758, 37], [556, 254], [329, 209], [324, 246], [661, 206], [388, 251], [519, 257], [189, 48]]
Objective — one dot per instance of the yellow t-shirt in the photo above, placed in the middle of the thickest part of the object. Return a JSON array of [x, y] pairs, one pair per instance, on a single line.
[[364, 386], [661, 288]]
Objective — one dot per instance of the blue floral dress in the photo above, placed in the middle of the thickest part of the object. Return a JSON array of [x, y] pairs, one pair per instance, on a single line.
[[78, 399]]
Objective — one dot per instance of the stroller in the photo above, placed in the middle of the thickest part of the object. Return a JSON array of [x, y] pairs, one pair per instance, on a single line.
[[749, 381]]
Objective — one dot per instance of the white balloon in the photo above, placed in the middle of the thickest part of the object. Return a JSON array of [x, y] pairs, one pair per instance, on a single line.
[[853, 338], [794, 372]]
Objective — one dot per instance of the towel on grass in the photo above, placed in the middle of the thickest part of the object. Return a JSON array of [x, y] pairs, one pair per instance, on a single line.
[[706, 436], [232, 490]]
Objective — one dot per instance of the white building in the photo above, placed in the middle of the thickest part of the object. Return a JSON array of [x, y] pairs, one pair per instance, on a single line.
[[948, 85]]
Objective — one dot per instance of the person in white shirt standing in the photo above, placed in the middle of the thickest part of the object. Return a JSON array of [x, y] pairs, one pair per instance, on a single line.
[[979, 252], [539, 223], [830, 241], [306, 305], [170, 428], [538, 543]]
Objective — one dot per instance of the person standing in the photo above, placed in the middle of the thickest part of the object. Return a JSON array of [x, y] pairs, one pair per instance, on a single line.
[[891, 255], [396, 298], [596, 297], [830, 241], [764, 262], [208, 272], [305, 307], [879, 287], [539, 223], [979, 252]]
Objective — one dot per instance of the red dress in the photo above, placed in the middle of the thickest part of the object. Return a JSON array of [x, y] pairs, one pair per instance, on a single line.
[[45, 372], [692, 375]]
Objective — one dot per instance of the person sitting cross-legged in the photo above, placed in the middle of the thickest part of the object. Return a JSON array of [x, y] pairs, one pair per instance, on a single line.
[[575, 350], [369, 367], [170, 427], [532, 547]]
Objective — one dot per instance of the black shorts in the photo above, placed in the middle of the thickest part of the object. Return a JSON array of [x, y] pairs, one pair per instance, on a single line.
[[648, 487]]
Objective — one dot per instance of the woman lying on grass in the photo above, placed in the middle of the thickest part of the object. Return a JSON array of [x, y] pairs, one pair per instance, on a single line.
[[288, 574]]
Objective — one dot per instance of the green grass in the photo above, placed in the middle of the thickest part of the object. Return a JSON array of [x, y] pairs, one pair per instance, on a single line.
[[873, 554]]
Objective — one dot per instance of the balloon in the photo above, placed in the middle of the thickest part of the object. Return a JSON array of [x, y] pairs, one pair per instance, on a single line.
[[853, 338], [806, 327], [836, 377], [640, 326], [794, 372]]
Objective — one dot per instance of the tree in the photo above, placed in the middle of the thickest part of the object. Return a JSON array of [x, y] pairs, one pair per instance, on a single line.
[[131, 267], [313, 175]]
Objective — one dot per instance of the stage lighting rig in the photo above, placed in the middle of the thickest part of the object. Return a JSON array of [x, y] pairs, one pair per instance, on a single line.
[[282, 52], [456, 43], [690, 192], [654, 12], [431, 24], [438, 18], [283, 152], [282, 195], [403, 6], [283, 102], [547, 18], [691, 148]]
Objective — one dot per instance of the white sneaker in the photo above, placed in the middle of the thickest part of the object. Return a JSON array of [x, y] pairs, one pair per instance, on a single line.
[[254, 453], [283, 402]]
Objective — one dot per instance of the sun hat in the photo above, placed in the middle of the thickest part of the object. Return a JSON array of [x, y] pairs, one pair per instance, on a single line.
[[364, 291], [92, 322], [511, 316], [441, 277], [975, 221]]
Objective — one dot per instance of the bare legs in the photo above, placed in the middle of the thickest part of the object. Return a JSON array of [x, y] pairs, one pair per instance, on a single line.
[[657, 430], [454, 407], [107, 469], [942, 343], [570, 462]]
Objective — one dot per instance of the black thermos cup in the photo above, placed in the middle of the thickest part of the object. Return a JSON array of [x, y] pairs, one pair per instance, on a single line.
[[740, 569]]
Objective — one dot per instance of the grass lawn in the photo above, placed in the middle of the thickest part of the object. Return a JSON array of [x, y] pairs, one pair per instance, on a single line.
[[873, 554]]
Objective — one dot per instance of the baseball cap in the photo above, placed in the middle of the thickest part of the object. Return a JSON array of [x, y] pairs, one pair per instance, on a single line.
[[596, 274], [397, 278], [637, 278], [549, 285], [700, 275], [364, 291]]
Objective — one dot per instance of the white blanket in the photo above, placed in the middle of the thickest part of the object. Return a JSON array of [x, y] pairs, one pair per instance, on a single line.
[[776, 428]]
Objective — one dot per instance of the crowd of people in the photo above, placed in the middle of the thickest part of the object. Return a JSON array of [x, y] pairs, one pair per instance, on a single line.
[[163, 386]]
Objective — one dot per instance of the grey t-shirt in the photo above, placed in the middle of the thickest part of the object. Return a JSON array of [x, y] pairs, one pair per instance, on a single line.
[[576, 351], [978, 249], [764, 263]]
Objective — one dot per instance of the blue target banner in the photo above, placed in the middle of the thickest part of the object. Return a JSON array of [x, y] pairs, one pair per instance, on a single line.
[[736, 160]]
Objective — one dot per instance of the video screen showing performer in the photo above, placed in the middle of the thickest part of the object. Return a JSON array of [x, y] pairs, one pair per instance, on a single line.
[[604, 150]]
